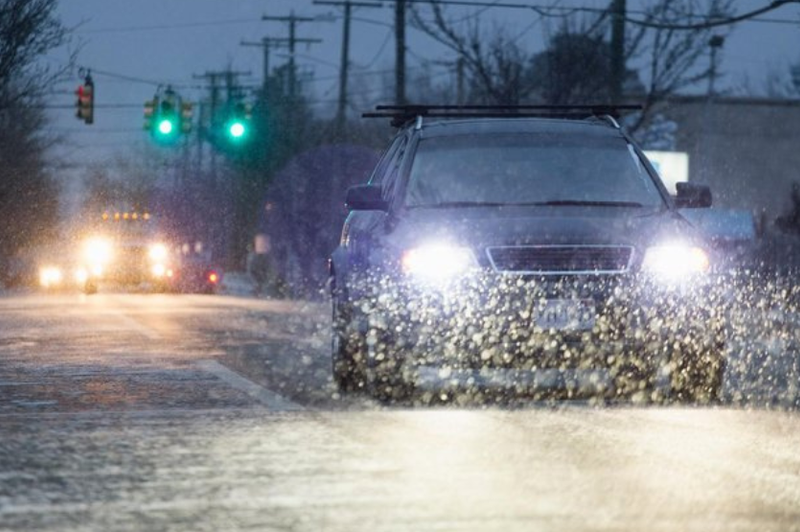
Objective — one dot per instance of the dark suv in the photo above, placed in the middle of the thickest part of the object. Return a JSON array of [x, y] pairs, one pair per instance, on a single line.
[[523, 254]]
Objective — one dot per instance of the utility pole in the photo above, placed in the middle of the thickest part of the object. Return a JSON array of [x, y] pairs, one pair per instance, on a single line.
[[460, 80], [618, 14], [267, 44], [216, 233], [341, 110], [203, 129], [400, 52], [214, 81], [292, 20], [715, 43]]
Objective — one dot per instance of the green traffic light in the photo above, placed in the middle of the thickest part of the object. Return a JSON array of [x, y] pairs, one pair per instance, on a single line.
[[236, 130], [165, 127]]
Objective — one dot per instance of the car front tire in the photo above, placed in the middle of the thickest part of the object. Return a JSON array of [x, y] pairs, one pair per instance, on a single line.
[[90, 287], [347, 349], [697, 376]]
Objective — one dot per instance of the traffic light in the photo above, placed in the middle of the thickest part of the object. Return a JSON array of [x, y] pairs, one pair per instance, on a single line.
[[85, 102], [149, 113], [167, 117], [167, 121], [163, 117], [237, 128], [187, 112]]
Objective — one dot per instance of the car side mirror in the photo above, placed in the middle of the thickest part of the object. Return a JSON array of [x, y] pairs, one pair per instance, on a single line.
[[365, 198], [692, 196]]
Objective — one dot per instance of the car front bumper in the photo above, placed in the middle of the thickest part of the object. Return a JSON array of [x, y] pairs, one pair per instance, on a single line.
[[488, 323]]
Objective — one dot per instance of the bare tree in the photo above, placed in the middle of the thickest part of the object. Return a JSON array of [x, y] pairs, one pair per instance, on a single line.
[[28, 196], [670, 58], [495, 62], [778, 83], [28, 30], [675, 59]]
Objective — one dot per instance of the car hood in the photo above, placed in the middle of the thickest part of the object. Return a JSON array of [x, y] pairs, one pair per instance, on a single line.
[[487, 226]]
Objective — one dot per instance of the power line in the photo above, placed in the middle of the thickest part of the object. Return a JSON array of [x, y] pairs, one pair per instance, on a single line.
[[313, 59], [292, 21], [380, 51], [532, 25], [97, 105], [564, 11], [143, 81], [199, 24], [96, 130], [708, 24], [267, 44], [347, 6]]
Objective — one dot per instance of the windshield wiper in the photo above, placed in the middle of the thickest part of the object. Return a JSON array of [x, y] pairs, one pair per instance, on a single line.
[[590, 203]]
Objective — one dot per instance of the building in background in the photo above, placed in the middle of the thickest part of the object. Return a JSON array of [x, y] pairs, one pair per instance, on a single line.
[[746, 149]]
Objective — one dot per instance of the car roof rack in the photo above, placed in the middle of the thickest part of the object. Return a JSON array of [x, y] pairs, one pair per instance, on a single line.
[[401, 115]]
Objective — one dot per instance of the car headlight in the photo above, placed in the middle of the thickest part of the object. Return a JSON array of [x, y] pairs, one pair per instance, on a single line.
[[81, 275], [49, 276], [437, 261], [97, 252], [675, 261], [158, 252]]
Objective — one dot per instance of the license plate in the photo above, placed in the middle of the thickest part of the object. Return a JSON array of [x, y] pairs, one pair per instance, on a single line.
[[565, 314]]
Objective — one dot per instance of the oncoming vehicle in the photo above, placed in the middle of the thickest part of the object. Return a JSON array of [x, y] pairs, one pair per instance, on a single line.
[[127, 252], [525, 250]]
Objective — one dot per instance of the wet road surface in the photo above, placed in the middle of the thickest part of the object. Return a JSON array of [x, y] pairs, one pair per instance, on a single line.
[[166, 412]]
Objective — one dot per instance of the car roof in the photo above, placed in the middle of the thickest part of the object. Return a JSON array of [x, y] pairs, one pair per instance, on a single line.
[[481, 126]]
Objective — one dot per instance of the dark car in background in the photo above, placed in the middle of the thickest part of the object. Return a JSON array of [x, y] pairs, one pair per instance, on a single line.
[[198, 273], [505, 252]]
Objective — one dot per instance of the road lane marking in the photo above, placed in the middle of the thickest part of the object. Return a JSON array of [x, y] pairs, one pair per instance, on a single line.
[[147, 332], [266, 397], [166, 414]]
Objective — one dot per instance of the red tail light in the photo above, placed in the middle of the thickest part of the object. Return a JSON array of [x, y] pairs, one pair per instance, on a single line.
[[213, 277]]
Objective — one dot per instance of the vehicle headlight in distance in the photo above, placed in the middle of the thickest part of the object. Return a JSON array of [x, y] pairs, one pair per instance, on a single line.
[[675, 261], [49, 276], [158, 252], [437, 261], [97, 252], [81, 275]]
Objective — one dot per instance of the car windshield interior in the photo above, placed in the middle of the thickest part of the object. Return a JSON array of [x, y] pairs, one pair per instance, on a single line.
[[528, 168]]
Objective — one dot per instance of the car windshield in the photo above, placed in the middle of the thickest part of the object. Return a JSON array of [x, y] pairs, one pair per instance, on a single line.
[[528, 169]]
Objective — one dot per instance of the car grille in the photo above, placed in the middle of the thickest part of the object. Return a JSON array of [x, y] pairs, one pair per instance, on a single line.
[[131, 255], [560, 259]]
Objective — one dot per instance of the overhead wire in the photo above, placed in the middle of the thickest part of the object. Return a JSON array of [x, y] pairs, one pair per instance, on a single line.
[[381, 48], [533, 24], [483, 5], [565, 11], [173, 26]]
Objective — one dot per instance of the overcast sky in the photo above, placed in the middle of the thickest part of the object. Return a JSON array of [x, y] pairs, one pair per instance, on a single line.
[[145, 42]]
